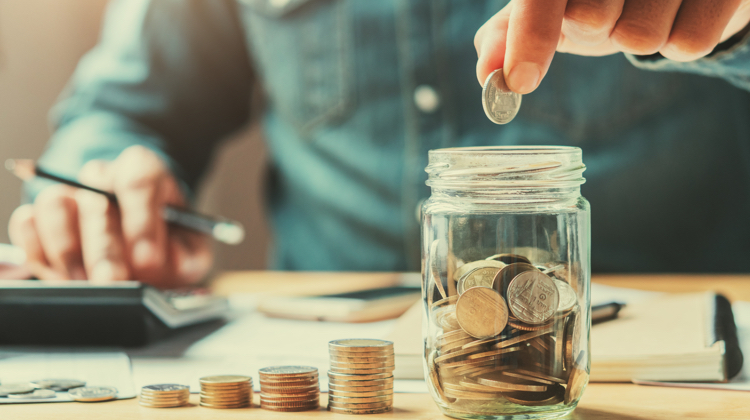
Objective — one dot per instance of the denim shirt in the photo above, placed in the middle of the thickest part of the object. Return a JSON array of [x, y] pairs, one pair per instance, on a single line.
[[358, 91]]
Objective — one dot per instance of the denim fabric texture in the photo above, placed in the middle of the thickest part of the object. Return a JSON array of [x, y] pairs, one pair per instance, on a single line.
[[358, 91]]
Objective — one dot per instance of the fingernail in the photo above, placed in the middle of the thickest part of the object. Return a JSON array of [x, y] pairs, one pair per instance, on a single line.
[[144, 253], [524, 77], [103, 271]]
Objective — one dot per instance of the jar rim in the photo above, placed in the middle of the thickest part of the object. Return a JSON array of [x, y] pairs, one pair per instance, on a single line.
[[507, 170], [519, 150]]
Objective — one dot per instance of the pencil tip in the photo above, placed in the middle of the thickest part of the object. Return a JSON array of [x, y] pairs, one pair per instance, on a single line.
[[229, 233]]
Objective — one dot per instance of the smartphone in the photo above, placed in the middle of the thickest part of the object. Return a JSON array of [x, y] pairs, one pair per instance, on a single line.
[[360, 306]]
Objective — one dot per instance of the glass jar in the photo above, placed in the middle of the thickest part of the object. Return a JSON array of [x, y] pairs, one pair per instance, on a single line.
[[505, 281]]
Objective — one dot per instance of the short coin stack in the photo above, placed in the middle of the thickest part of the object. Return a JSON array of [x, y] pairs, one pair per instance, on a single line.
[[226, 391], [360, 380], [289, 388], [164, 395]]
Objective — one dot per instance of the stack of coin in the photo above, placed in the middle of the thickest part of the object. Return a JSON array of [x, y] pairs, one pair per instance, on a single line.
[[510, 332], [289, 388], [164, 395], [360, 380], [226, 391]]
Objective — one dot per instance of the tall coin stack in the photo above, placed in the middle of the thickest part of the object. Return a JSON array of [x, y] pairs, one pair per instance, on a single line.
[[226, 391], [289, 388], [360, 380], [164, 395]]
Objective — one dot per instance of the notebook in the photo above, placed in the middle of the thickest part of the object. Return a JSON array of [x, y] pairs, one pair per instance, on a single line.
[[676, 337], [672, 337]]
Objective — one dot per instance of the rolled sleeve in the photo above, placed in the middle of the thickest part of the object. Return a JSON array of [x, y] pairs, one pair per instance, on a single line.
[[730, 61], [170, 75]]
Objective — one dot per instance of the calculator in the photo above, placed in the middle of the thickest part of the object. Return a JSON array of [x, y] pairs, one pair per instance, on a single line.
[[80, 313]]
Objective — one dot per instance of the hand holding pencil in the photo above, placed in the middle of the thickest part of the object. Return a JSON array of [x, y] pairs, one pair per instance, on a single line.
[[129, 225]]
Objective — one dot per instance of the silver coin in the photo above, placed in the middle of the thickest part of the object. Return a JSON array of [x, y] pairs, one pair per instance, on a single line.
[[500, 103], [20, 388], [39, 394], [58, 384], [483, 276], [93, 393], [533, 297], [568, 298], [466, 268], [165, 388], [289, 370]]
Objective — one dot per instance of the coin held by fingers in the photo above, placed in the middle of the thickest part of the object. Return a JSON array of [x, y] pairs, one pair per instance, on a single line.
[[500, 103]]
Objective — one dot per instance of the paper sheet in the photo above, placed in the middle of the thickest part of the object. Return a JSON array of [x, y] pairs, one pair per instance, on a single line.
[[97, 369], [252, 341]]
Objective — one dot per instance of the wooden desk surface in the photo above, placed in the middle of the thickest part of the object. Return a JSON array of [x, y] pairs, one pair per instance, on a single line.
[[600, 401]]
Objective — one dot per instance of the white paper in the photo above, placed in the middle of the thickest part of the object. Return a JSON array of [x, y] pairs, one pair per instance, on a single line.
[[601, 294], [252, 341], [96, 369]]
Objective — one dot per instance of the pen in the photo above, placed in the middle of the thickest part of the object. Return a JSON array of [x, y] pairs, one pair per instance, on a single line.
[[221, 229], [605, 311]]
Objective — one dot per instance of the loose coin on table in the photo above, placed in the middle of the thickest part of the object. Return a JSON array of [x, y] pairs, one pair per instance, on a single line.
[[289, 388], [164, 395], [93, 393], [39, 394], [500, 103], [226, 391], [58, 384], [15, 388]]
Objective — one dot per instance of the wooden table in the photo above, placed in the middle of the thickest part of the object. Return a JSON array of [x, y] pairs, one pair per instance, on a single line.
[[600, 401]]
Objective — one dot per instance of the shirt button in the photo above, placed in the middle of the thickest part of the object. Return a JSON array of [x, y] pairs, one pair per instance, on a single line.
[[426, 98], [279, 4]]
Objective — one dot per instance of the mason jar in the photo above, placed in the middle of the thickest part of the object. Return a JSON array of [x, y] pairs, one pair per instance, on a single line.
[[505, 281]]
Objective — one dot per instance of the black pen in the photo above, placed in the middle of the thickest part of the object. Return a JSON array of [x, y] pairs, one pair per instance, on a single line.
[[223, 230], [605, 311]]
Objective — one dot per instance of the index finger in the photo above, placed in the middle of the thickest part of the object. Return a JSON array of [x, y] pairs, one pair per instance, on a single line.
[[533, 33], [138, 186]]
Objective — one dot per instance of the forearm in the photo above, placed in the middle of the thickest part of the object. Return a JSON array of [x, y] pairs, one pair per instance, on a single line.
[[98, 135]]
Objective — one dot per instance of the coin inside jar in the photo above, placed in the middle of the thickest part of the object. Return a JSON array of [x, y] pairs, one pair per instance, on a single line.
[[532, 297], [510, 258], [568, 298], [482, 276], [507, 274], [500, 103], [481, 312], [466, 268]]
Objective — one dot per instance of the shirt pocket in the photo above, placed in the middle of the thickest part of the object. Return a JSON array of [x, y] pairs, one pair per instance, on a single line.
[[302, 51], [592, 100]]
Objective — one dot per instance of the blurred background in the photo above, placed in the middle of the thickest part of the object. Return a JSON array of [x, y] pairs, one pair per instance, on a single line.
[[40, 43]]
